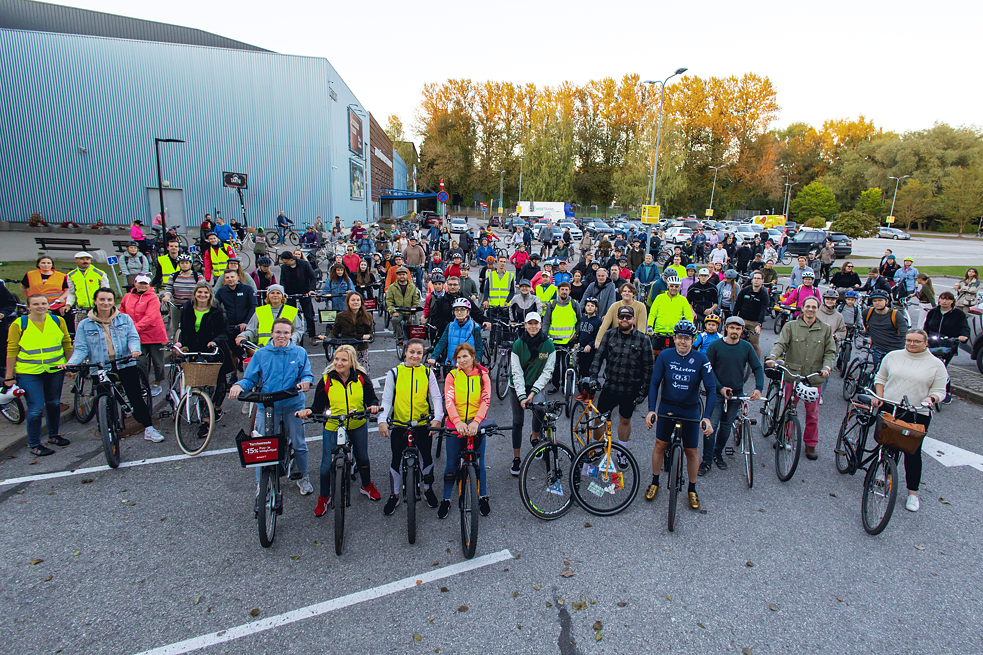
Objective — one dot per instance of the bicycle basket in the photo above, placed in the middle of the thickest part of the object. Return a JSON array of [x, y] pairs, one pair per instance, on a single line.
[[255, 450], [418, 332], [895, 433], [200, 374], [251, 230], [369, 303]]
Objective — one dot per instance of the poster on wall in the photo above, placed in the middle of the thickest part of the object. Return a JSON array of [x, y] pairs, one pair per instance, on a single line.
[[354, 132], [358, 180]]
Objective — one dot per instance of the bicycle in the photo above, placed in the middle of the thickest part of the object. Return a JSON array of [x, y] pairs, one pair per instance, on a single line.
[[773, 402], [548, 465], [410, 465], [742, 435], [845, 350], [566, 359], [880, 490], [343, 472], [788, 428], [594, 468], [13, 410], [783, 314], [414, 331], [331, 343], [189, 385], [675, 454], [112, 405], [860, 373], [273, 236], [273, 453]]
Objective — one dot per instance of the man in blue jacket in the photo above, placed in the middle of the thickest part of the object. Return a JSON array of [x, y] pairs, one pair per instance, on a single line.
[[280, 365]]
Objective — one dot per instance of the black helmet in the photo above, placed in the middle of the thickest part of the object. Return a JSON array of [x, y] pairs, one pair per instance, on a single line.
[[437, 277], [879, 293], [685, 327], [263, 261]]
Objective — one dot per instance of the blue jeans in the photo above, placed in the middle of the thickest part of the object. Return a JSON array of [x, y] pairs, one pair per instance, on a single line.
[[295, 432], [359, 438], [713, 444], [281, 229], [450, 470], [42, 392]]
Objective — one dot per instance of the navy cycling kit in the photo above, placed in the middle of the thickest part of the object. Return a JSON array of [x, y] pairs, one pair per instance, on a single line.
[[679, 376]]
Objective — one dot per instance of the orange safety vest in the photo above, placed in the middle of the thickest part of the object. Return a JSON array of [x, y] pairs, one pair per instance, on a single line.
[[50, 288]]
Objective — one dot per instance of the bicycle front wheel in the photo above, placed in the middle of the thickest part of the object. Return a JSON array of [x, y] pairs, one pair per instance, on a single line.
[[502, 378], [675, 484], [411, 482], [293, 238], [84, 398], [544, 480], [272, 237], [14, 411], [788, 447], [748, 449], [847, 441], [769, 411], [266, 517], [468, 501], [851, 380], [339, 495], [604, 484], [108, 429], [194, 421], [880, 494]]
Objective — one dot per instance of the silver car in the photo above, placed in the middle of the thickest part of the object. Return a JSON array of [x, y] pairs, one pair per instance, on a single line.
[[892, 233]]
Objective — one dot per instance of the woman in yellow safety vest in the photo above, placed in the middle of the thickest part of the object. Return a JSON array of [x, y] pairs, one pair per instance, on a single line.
[[260, 325], [467, 395], [36, 344], [344, 388]]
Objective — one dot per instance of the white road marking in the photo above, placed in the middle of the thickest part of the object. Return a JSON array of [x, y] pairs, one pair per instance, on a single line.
[[383, 350], [262, 625], [949, 455]]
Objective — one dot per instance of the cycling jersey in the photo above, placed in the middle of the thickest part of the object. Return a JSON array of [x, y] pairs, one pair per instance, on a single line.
[[681, 376], [666, 312]]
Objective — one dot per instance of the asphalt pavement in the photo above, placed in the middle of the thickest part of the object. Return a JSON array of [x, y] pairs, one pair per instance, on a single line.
[[163, 553]]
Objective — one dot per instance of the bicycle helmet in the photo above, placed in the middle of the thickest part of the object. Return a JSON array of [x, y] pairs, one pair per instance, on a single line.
[[879, 293], [597, 303], [184, 257], [437, 277], [806, 393], [830, 293], [671, 280], [462, 302], [685, 327], [263, 261], [851, 294], [712, 317], [808, 274], [689, 266]]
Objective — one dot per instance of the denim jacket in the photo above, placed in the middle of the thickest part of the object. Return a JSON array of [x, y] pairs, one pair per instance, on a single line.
[[90, 340]]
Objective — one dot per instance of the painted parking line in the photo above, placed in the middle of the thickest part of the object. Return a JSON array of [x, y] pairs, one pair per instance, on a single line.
[[949, 455], [262, 625], [140, 462]]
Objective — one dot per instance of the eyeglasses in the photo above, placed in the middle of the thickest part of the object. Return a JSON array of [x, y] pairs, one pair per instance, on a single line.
[[915, 342]]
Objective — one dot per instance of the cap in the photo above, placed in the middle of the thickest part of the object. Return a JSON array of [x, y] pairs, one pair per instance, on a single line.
[[82, 253], [275, 287], [402, 269], [735, 320], [626, 311], [525, 283], [142, 278], [533, 316], [703, 271]]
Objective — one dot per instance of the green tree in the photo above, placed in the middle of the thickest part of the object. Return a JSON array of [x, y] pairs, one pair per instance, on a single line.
[[815, 200], [961, 201], [914, 203], [871, 203], [855, 224]]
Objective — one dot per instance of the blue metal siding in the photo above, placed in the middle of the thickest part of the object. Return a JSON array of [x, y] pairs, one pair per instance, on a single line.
[[400, 207], [263, 114]]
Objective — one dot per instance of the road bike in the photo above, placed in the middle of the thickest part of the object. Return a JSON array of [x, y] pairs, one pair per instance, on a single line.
[[546, 469], [773, 403], [787, 427], [675, 457], [274, 455], [602, 467], [742, 435], [290, 236], [112, 405], [342, 472], [190, 382]]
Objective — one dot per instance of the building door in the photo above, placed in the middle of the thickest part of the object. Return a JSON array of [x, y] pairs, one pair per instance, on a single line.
[[173, 202]]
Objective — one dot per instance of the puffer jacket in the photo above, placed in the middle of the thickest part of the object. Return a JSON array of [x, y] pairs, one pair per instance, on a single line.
[[144, 309], [277, 369], [90, 339]]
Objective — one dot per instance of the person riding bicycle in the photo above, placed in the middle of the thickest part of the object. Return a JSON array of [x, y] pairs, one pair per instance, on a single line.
[[560, 324], [906, 277], [462, 329], [730, 357], [667, 310], [679, 372], [401, 293], [279, 365], [467, 395], [797, 296], [532, 360], [710, 334], [410, 395], [947, 322], [626, 354], [807, 346], [885, 326], [916, 374], [344, 388], [702, 295]]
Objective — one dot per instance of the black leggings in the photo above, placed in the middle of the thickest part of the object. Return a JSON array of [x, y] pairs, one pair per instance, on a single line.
[[423, 440], [130, 381], [913, 461]]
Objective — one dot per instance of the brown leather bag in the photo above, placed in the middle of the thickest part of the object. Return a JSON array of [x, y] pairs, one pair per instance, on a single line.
[[906, 437]]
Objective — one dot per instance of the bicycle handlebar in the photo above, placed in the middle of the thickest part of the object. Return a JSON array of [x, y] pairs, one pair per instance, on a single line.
[[789, 373], [85, 366]]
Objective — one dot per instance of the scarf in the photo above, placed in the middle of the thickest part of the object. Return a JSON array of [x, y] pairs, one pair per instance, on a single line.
[[535, 342], [106, 324]]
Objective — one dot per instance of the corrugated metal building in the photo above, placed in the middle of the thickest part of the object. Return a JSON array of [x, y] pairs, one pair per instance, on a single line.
[[79, 114]]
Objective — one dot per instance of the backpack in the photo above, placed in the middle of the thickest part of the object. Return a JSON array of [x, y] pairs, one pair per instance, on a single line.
[[894, 318]]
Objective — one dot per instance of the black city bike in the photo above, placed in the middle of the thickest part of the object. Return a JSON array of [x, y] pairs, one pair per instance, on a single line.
[[544, 478]]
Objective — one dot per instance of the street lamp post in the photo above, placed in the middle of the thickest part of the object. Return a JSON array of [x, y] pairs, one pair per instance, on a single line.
[[658, 134], [714, 187], [896, 185], [160, 183], [520, 179], [501, 191], [788, 199]]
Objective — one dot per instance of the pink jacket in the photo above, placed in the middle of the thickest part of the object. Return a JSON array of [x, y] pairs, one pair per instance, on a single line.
[[144, 309], [795, 299], [136, 233]]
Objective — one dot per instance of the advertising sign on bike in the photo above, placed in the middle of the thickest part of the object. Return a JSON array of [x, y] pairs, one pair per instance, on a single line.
[[257, 450]]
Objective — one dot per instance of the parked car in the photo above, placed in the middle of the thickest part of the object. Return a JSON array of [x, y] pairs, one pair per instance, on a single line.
[[494, 221], [597, 228], [678, 235], [430, 218], [892, 233], [692, 224], [458, 225], [749, 228], [807, 240], [975, 344]]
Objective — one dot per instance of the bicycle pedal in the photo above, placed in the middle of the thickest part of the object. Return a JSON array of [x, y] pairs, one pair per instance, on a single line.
[[164, 414], [753, 421], [729, 451]]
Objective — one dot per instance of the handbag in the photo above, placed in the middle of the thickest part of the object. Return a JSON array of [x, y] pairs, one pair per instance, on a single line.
[[895, 433]]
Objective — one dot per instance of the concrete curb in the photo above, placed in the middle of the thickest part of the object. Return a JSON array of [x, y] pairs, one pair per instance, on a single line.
[[971, 395]]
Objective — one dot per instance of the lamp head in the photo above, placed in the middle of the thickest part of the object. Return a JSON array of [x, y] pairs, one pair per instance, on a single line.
[[680, 71]]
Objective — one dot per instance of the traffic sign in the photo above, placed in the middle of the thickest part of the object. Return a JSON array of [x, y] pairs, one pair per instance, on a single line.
[[501, 210], [650, 213], [709, 213], [192, 248], [112, 261], [889, 220], [443, 197]]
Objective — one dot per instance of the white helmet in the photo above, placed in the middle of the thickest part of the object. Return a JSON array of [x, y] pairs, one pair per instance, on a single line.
[[671, 280], [462, 302], [806, 393], [11, 392]]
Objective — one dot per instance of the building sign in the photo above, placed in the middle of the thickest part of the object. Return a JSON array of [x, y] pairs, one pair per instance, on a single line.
[[354, 132], [381, 155], [357, 180]]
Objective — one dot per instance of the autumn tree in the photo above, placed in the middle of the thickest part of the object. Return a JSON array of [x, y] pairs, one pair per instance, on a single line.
[[815, 200], [914, 203], [961, 200], [855, 224]]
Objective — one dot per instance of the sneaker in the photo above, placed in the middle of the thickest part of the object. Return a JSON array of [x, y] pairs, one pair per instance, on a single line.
[[622, 460], [373, 493], [581, 396], [516, 465], [694, 500], [304, 485], [431, 497], [41, 451], [445, 507], [483, 507], [912, 504], [218, 414], [203, 430], [151, 434], [719, 461], [705, 467], [811, 453], [552, 390], [322, 505], [391, 505], [58, 440], [651, 491], [156, 390], [821, 400], [945, 401]]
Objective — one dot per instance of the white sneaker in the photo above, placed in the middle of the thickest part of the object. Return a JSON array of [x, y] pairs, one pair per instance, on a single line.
[[151, 434], [155, 390], [305, 486], [912, 503]]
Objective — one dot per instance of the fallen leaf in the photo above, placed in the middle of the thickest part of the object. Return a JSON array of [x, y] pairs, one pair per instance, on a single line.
[[419, 582], [746, 651], [131, 504], [919, 547], [448, 550], [833, 495], [701, 625], [593, 602], [944, 501], [622, 603], [221, 633], [773, 607], [703, 511], [566, 563], [749, 564], [839, 598], [462, 608], [317, 543], [566, 573], [515, 594], [86, 480], [417, 637], [761, 510], [295, 557], [942, 552], [48, 579], [77, 553], [124, 501], [444, 589], [536, 587], [577, 605], [559, 602], [519, 626], [597, 637], [163, 518], [254, 612], [668, 597], [597, 625], [196, 600], [587, 524], [518, 555], [430, 619], [435, 564], [35, 562], [549, 604]]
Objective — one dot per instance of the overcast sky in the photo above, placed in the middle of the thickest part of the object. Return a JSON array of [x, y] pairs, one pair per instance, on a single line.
[[905, 65]]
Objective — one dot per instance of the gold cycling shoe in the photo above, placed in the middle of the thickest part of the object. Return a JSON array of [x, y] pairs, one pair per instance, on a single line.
[[651, 491], [694, 500]]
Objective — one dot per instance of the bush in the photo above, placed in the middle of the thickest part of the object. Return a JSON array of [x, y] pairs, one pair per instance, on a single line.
[[816, 221], [855, 224]]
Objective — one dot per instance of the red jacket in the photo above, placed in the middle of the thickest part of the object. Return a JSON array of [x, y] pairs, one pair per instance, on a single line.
[[144, 309], [208, 259]]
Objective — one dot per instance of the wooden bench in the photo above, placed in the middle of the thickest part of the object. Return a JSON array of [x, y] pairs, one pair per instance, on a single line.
[[73, 245], [120, 244]]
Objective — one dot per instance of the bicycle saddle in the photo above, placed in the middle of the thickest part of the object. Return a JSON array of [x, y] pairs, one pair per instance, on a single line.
[[864, 399], [267, 399]]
